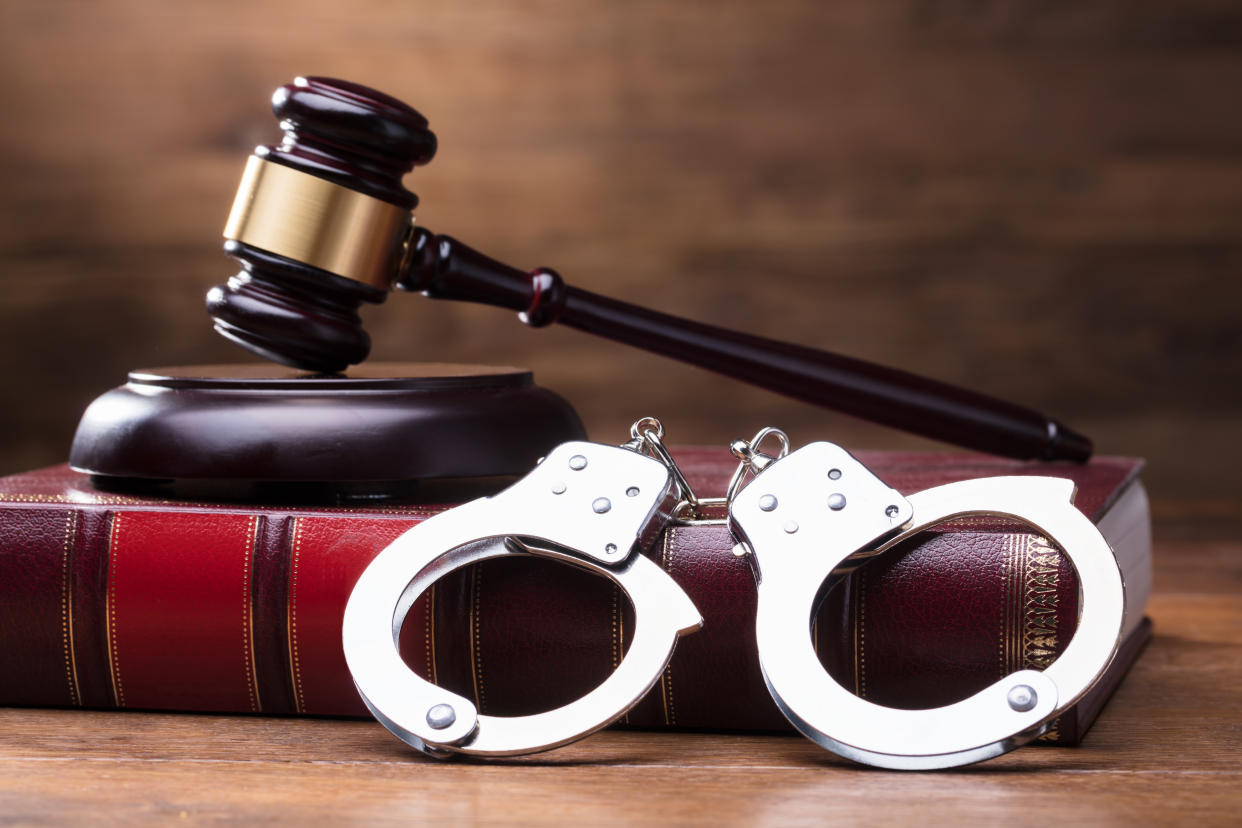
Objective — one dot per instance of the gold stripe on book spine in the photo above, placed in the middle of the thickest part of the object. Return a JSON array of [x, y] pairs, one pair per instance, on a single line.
[[1041, 575], [860, 634], [431, 635], [618, 635], [1010, 624], [476, 642], [666, 678], [71, 660], [252, 671], [291, 621], [114, 665], [1039, 616]]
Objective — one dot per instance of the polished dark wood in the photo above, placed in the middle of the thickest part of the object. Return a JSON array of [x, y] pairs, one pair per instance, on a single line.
[[444, 268], [287, 311], [1040, 200], [351, 134], [339, 130], [282, 435], [291, 313]]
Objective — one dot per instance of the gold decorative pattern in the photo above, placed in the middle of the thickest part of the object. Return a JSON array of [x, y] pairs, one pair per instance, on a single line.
[[85, 500], [430, 632], [1039, 616], [66, 620], [476, 650], [666, 678], [252, 683], [291, 620], [1028, 635], [140, 503], [618, 636], [860, 635], [1010, 632], [1040, 580], [114, 662], [621, 634]]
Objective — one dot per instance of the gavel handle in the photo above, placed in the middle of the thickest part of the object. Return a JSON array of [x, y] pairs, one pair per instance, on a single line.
[[444, 268]]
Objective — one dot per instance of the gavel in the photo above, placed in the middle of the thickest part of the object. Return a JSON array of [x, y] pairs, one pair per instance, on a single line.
[[323, 223]]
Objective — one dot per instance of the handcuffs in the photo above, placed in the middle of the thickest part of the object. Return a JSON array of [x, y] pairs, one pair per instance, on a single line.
[[805, 519]]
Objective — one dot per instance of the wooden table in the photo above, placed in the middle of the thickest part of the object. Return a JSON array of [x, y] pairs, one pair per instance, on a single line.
[[1166, 750]]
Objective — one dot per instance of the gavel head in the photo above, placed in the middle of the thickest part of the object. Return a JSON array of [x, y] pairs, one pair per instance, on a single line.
[[320, 224]]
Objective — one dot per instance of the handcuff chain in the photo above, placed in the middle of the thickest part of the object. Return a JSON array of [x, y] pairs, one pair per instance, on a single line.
[[751, 460], [647, 437]]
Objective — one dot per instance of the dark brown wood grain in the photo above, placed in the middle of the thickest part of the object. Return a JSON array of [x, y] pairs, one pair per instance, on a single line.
[[240, 431], [1164, 752], [1039, 201]]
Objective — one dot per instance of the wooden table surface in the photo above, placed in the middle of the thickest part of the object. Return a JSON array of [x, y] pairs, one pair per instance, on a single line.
[[1165, 751]]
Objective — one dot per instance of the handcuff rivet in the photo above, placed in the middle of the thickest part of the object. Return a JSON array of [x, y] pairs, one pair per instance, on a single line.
[[577, 462], [1022, 698], [791, 526], [767, 503], [836, 501], [601, 505], [441, 716], [632, 491], [891, 511], [558, 488], [610, 549], [834, 474]]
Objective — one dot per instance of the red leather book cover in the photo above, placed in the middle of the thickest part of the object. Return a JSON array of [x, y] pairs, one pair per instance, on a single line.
[[116, 601]]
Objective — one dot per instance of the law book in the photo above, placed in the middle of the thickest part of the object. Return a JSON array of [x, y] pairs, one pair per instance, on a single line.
[[121, 601]]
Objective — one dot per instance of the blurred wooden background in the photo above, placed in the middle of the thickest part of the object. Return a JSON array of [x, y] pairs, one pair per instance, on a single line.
[[1039, 200]]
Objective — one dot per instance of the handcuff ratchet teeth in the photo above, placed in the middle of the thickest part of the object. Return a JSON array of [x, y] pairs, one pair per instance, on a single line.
[[807, 519], [586, 504]]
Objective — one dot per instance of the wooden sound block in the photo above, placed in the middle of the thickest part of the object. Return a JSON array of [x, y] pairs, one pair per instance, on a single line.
[[256, 430]]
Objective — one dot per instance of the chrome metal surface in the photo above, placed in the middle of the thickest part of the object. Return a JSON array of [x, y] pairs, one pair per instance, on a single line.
[[791, 568], [557, 511], [751, 460], [1022, 697], [441, 716]]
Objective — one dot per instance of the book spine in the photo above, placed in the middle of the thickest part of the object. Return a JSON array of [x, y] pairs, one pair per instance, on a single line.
[[235, 611]]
